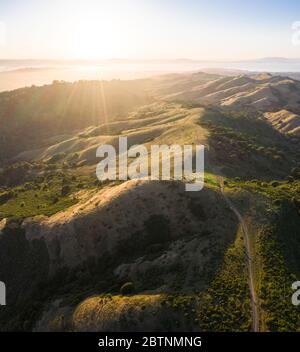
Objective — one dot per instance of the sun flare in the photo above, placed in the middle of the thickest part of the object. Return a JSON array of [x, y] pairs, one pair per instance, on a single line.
[[101, 33]]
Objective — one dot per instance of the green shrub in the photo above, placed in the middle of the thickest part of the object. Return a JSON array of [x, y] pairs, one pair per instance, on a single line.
[[5, 196], [277, 202], [295, 171], [65, 190], [157, 229], [127, 288], [55, 200], [55, 158]]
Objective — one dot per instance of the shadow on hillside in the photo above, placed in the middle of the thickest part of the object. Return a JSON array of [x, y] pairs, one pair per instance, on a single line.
[[245, 146], [177, 251]]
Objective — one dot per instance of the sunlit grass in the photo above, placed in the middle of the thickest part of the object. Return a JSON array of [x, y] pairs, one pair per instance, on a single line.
[[45, 198]]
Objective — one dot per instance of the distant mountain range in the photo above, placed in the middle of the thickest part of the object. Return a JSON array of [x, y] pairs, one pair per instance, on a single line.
[[277, 97], [20, 73], [27, 62]]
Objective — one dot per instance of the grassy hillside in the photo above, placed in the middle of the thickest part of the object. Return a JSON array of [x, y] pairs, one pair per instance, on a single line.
[[69, 243], [29, 115], [278, 249], [246, 146]]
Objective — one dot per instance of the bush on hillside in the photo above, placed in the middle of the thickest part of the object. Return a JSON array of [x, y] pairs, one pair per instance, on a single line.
[[127, 288]]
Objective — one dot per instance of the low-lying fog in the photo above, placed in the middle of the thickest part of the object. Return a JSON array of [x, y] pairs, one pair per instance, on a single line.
[[15, 74]]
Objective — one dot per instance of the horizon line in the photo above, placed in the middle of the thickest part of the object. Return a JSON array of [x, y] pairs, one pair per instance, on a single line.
[[271, 58]]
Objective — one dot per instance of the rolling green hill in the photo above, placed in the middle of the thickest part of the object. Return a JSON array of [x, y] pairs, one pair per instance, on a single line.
[[69, 243], [29, 116]]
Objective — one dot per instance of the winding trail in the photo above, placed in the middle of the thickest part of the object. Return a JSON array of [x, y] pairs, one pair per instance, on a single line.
[[250, 263]]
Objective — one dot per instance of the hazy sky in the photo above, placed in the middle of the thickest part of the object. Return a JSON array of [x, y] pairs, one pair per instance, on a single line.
[[198, 29]]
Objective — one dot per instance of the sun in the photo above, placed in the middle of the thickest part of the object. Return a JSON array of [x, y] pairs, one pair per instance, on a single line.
[[100, 31], [92, 40]]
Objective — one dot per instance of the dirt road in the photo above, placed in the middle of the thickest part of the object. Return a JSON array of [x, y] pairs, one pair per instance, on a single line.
[[250, 263]]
